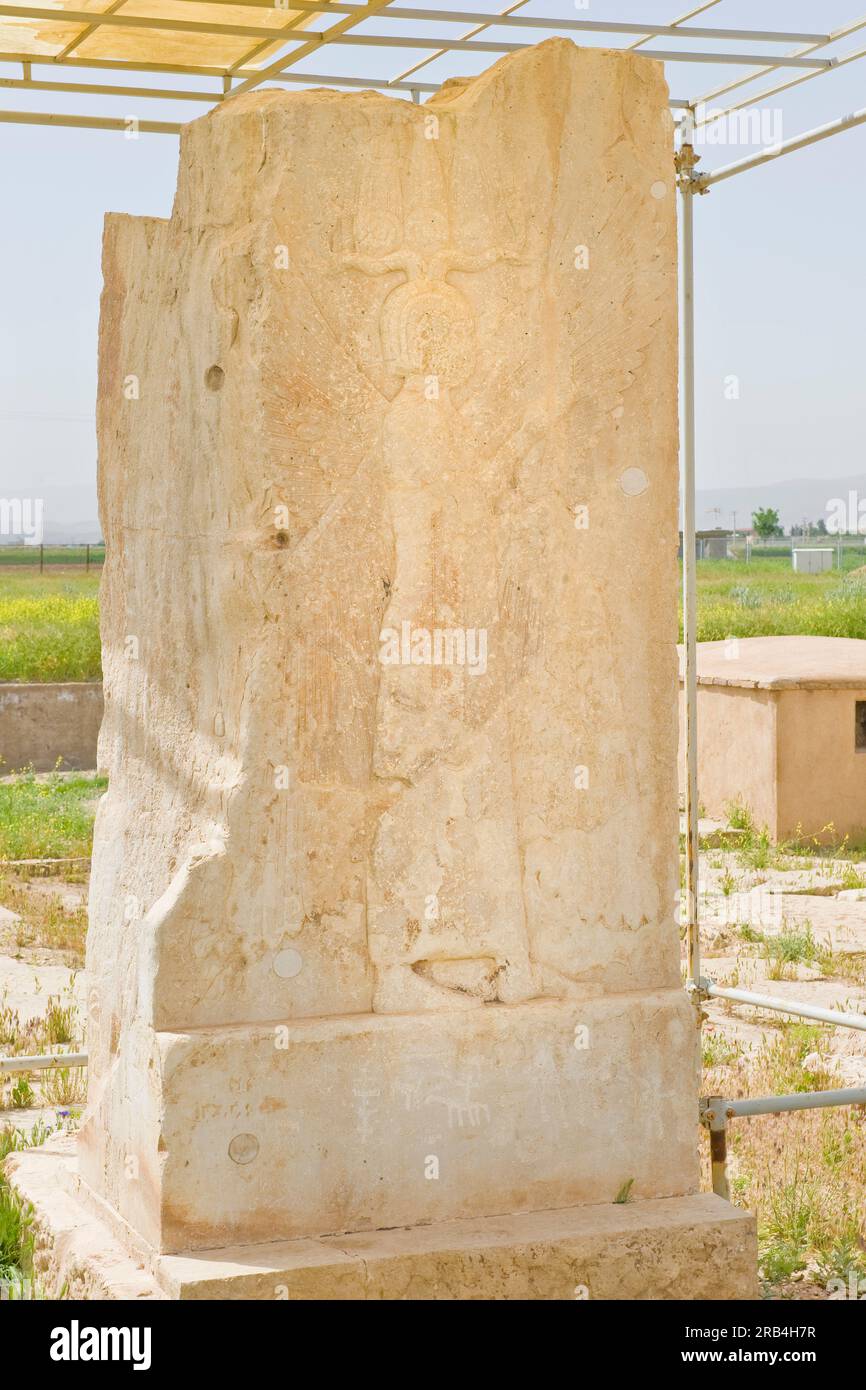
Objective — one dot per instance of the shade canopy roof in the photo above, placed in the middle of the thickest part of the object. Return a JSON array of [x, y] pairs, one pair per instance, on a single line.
[[91, 47], [195, 35]]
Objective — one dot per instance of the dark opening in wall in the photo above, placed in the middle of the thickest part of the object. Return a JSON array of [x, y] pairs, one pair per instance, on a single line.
[[860, 726]]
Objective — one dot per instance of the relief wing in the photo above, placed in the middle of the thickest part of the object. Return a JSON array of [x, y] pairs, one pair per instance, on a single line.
[[568, 307]]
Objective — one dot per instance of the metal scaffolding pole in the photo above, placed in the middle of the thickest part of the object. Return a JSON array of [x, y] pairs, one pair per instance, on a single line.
[[797, 142], [507, 20], [685, 161], [784, 1006], [716, 1111], [52, 1061], [90, 122], [24, 84], [700, 102]]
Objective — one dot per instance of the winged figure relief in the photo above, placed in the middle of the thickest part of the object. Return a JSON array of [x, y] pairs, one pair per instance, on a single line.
[[485, 377]]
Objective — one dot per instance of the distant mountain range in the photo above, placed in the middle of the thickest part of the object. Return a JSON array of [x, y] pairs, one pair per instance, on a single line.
[[69, 513], [811, 498]]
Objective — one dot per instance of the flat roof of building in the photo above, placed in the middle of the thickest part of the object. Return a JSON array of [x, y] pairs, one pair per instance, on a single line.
[[783, 663]]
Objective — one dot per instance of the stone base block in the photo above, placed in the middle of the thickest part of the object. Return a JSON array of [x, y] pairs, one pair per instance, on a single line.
[[263, 1132], [77, 1255], [696, 1247], [671, 1248]]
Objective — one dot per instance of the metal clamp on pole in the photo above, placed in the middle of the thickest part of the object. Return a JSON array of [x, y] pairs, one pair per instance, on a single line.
[[715, 1113]]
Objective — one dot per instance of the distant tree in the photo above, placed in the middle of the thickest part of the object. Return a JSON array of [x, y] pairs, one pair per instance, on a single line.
[[820, 527], [766, 522]]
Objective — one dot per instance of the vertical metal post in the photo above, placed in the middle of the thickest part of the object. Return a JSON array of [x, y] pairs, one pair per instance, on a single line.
[[686, 161], [41, 558]]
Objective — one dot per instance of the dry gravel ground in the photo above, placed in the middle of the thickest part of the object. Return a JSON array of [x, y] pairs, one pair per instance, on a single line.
[[789, 923], [42, 930], [796, 933]]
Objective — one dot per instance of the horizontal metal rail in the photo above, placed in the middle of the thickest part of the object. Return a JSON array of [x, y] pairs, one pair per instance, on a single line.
[[360, 12], [140, 22], [384, 84], [706, 116], [184, 70], [783, 1006], [831, 38], [89, 122], [30, 60], [120, 64], [494, 46], [407, 41], [780, 1105], [300, 43], [494, 21], [717, 1110], [766, 156], [25, 84], [510, 21], [52, 1061]]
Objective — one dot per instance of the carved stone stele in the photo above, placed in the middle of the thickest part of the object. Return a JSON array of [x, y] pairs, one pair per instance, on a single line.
[[383, 914]]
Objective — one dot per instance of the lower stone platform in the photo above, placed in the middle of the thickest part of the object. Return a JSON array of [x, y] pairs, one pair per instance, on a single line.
[[258, 1132], [695, 1247]]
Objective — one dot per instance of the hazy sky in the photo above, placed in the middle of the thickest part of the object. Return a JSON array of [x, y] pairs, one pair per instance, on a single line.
[[781, 287]]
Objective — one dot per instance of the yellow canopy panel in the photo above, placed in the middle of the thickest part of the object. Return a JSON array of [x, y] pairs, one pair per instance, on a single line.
[[75, 33]]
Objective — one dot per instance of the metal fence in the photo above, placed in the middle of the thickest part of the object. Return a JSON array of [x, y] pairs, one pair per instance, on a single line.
[[44, 557]]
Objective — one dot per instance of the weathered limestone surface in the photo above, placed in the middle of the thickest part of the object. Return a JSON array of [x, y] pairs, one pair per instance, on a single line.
[[696, 1247], [377, 941], [340, 1124]]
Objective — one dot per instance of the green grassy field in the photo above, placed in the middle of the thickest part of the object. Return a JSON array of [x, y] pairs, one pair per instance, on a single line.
[[29, 555], [48, 817], [766, 598], [49, 626]]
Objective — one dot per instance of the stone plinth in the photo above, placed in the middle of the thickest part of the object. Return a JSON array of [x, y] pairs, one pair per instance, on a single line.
[[376, 1121], [383, 901], [696, 1247], [782, 729]]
